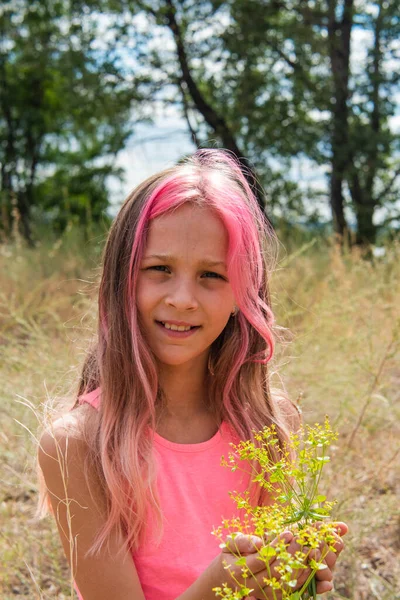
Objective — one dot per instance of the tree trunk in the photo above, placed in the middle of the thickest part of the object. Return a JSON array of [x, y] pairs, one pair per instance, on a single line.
[[212, 118], [362, 191], [23, 207], [336, 196], [9, 159], [366, 230], [364, 209], [339, 50], [5, 212]]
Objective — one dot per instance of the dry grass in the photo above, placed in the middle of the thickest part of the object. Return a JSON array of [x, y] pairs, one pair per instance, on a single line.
[[343, 361]]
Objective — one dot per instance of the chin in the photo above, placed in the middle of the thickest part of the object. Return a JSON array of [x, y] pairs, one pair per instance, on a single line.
[[178, 361]]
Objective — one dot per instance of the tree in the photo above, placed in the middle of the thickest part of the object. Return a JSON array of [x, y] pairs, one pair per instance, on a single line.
[[363, 149], [339, 35], [272, 79], [374, 168], [64, 112], [222, 104]]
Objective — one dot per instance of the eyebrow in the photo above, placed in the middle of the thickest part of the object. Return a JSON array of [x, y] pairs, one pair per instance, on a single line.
[[169, 258]]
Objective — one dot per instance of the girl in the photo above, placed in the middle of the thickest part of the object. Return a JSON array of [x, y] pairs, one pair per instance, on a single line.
[[185, 333]]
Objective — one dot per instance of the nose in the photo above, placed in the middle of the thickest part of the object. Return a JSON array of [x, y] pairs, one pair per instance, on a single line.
[[181, 295]]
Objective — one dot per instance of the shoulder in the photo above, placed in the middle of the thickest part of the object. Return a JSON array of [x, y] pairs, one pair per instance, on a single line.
[[288, 412], [64, 441], [79, 503]]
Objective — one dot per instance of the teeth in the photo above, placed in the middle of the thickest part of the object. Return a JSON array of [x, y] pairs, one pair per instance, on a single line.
[[176, 327]]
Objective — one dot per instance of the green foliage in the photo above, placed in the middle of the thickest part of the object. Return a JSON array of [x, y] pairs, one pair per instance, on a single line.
[[64, 112], [291, 477], [265, 68], [75, 76]]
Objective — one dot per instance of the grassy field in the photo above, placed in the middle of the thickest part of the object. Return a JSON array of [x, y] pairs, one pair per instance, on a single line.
[[339, 356]]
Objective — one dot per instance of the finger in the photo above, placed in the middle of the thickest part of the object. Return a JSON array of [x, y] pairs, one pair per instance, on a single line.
[[242, 544], [294, 547], [262, 569], [330, 559], [256, 582], [341, 528], [325, 572], [324, 586], [302, 577], [267, 594], [330, 556], [300, 574], [339, 544], [286, 536], [258, 569], [263, 592], [254, 561]]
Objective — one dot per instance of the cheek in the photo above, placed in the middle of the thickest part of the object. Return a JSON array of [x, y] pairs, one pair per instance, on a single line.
[[220, 310], [144, 301]]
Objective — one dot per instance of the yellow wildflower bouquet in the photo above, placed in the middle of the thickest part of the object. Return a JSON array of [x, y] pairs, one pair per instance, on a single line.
[[293, 483]]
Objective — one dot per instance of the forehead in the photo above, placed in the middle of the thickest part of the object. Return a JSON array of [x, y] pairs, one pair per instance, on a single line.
[[189, 229]]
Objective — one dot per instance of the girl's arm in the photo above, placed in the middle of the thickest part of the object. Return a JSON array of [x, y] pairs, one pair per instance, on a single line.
[[80, 514]]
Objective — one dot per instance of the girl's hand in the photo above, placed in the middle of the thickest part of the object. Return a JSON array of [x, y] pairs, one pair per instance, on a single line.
[[324, 577], [248, 546]]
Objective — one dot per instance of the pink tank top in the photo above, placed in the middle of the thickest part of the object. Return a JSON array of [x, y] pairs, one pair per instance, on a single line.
[[194, 494]]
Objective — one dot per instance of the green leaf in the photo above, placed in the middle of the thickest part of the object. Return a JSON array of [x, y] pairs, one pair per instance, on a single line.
[[320, 498]]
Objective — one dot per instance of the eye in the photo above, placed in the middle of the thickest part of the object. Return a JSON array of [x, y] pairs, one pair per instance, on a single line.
[[212, 275], [160, 268]]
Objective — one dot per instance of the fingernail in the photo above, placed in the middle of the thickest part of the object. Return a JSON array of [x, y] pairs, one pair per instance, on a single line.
[[255, 540], [341, 530]]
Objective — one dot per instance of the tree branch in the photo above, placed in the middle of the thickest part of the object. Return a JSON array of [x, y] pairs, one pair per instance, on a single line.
[[390, 220], [185, 105], [388, 188], [212, 118], [297, 68]]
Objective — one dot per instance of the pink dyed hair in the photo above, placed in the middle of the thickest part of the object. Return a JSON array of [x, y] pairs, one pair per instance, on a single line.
[[122, 365]]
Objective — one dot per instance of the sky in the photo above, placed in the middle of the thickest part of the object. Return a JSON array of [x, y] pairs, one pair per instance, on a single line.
[[152, 148]]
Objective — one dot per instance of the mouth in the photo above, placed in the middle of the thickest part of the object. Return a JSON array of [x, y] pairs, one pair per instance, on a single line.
[[177, 328], [176, 332]]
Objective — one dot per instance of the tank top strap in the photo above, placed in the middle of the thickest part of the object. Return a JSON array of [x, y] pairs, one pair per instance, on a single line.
[[93, 398]]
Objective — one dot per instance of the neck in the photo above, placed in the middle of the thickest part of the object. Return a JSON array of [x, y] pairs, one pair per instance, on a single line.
[[184, 390], [185, 416]]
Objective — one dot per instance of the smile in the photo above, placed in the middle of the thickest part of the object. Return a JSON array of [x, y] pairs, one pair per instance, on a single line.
[[177, 327], [177, 330]]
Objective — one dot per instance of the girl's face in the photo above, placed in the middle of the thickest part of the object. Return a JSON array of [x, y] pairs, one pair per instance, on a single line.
[[183, 282]]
